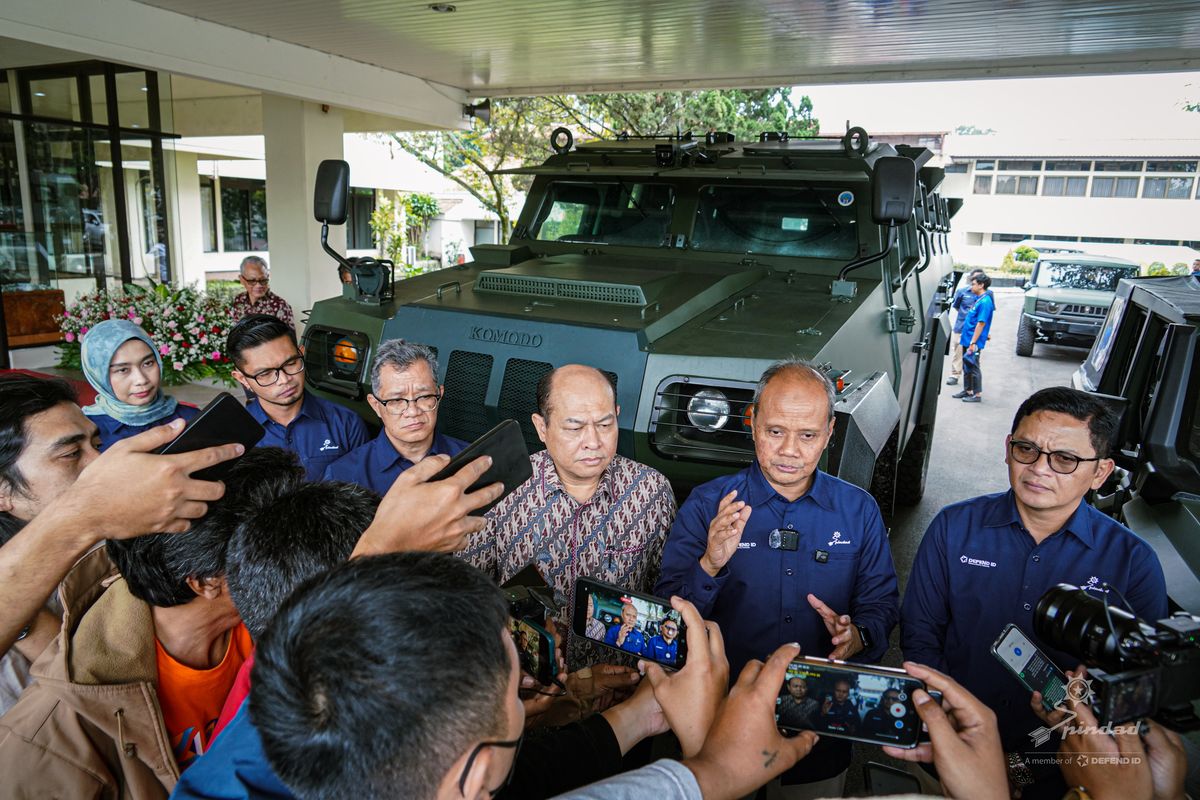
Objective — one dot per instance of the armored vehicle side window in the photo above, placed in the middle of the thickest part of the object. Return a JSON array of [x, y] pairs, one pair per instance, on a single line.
[[1064, 275], [814, 222], [614, 212]]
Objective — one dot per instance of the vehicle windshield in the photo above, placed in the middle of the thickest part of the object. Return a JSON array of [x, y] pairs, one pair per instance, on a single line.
[[811, 221], [606, 212], [1065, 275]]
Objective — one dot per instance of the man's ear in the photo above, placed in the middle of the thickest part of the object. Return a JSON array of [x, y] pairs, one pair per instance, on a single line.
[[375, 405], [1008, 449], [6, 498], [1104, 468], [241, 378], [208, 588], [539, 424], [475, 781]]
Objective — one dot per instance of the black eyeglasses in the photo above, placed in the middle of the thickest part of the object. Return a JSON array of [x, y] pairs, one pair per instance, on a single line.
[[257, 281], [398, 405], [1061, 462], [515, 744], [293, 366]]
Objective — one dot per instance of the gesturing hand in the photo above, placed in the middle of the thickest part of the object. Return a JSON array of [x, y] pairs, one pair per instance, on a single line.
[[965, 744], [432, 516], [724, 533], [846, 641], [691, 696], [744, 748]]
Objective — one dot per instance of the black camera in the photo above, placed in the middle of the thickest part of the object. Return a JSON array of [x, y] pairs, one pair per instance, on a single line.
[[529, 596], [1137, 669]]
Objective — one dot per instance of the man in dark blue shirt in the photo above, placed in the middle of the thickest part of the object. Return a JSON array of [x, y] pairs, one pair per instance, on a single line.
[[782, 552], [269, 365], [626, 635], [984, 563], [664, 646], [838, 712], [975, 330], [405, 395], [963, 302]]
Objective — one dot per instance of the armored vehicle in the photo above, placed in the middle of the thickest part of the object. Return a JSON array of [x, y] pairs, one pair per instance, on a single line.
[[1146, 364], [683, 267], [1066, 299]]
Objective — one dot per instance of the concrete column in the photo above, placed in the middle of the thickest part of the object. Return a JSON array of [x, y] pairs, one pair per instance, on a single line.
[[299, 135], [186, 234]]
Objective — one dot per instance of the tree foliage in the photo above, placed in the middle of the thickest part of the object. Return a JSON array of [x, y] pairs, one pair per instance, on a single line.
[[519, 131]]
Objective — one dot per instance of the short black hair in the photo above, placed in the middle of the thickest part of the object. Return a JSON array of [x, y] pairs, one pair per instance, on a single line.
[[546, 384], [284, 542], [156, 567], [360, 692], [1101, 420], [255, 330], [22, 397], [982, 279]]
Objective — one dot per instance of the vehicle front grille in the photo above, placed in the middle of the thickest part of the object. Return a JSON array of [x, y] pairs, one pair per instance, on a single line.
[[462, 412], [518, 396], [589, 291], [1086, 311]]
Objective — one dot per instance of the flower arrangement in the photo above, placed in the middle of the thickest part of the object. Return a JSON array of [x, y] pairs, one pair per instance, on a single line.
[[188, 326]]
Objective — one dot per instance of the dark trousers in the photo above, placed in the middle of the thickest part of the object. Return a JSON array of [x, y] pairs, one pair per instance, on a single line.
[[972, 376]]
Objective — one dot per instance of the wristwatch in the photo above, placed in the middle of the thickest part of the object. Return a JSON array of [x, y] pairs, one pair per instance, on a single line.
[[24, 631], [1077, 793], [862, 634]]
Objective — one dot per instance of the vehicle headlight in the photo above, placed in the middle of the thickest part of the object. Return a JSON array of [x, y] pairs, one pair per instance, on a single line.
[[1053, 308], [708, 410]]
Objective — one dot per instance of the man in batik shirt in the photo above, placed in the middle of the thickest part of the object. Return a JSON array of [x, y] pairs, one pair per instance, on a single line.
[[586, 512], [258, 297]]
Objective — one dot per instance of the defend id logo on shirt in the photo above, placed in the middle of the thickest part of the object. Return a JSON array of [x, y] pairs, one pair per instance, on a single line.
[[976, 562]]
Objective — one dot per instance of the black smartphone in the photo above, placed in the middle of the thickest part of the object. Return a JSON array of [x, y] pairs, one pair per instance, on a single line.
[[223, 421], [529, 596], [634, 623], [1032, 668], [510, 461], [850, 701], [535, 650], [883, 781]]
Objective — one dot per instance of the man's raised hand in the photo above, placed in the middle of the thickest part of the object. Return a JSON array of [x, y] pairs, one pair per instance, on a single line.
[[846, 641], [724, 533]]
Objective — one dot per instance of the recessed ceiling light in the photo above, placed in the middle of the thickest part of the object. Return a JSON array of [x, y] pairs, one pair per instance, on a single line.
[[39, 94], [443, 8], [135, 125], [144, 89]]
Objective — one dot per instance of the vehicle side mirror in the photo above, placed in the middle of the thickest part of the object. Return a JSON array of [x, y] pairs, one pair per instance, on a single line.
[[894, 191], [330, 193], [1027, 285]]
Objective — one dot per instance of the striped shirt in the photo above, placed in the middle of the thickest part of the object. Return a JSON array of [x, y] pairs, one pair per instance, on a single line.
[[616, 536]]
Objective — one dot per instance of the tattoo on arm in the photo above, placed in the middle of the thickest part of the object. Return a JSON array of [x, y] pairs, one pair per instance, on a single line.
[[770, 758]]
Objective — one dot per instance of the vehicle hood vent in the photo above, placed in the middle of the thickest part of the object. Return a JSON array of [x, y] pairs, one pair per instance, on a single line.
[[566, 282]]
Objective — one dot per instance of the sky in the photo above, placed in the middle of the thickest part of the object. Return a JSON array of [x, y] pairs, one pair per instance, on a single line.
[[1122, 106]]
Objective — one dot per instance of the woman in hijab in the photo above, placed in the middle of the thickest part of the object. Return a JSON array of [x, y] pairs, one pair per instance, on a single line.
[[122, 364]]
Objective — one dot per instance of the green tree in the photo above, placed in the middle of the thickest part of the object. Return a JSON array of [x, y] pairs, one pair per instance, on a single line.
[[1025, 253], [519, 131]]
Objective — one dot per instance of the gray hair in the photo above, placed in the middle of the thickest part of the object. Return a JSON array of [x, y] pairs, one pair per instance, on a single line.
[[253, 260], [803, 367], [401, 355]]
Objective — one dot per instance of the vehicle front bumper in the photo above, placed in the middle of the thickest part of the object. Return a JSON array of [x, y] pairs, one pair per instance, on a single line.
[[1056, 329]]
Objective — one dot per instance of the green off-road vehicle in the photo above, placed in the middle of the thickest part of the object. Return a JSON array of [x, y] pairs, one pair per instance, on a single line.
[[1066, 299], [1146, 364], [682, 267]]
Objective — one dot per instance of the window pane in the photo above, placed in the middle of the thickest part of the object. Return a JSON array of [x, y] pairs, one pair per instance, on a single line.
[[208, 219], [1154, 187], [358, 231], [134, 111], [1118, 166], [1170, 166], [1102, 187], [1027, 185], [1020, 166], [983, 184], [258, 219], [235, 221], [984, 165], [816, 223], [1076, 187], [956, 168], [1009, 237], [1068, 166], [1127, 187], [1054, 187], [1006, 185], [1179, 188]]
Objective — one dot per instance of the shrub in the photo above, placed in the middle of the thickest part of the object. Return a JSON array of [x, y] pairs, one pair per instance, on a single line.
[[1157, 268], [1026, 253]]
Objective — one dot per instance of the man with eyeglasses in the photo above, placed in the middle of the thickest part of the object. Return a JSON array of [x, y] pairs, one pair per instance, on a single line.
[[258, 298], [663, 646], [405, 395], [270, 365], [985, 562]]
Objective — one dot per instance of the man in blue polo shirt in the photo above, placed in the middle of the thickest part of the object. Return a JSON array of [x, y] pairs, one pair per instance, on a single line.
[[973, 338], [663, 647], [985, 562], [963, 302], [782, 552], [270, 366], [405, 395]]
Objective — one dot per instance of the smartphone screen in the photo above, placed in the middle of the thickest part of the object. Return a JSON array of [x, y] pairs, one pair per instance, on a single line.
[[639, 624], [1032, 668], [535, 649], [865, 704]]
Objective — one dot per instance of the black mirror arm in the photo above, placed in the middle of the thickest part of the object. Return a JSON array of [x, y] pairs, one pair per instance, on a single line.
[[871, 259], [334, 254]]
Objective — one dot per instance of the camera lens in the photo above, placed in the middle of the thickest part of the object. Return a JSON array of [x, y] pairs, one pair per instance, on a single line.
[[1073, 620]]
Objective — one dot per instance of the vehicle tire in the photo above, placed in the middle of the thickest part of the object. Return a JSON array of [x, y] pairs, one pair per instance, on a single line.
[[1025, 337], [914, 466], [883, 481]]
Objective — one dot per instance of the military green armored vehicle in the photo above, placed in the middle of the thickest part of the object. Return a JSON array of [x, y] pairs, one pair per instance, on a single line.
[[683, 267], [1146, 364], [1066, 298]]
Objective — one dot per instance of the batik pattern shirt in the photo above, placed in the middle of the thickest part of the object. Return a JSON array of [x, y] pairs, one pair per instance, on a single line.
[[616, 536], [271, 304]]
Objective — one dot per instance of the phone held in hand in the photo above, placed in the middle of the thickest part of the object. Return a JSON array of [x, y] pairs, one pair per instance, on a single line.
[[223, 421], [1030, 666], [535, 650], [850, 701], [510, 461], [640, 625]]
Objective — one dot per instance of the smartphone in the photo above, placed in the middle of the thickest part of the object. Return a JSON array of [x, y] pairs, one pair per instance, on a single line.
[[882, 780], [223, 421], [510, 461], [535, 650], [1032, 668], [637, 624], [529, 596], [850, 701]]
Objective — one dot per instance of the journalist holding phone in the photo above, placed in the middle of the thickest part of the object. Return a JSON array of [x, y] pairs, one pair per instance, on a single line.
[[783, 552]]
